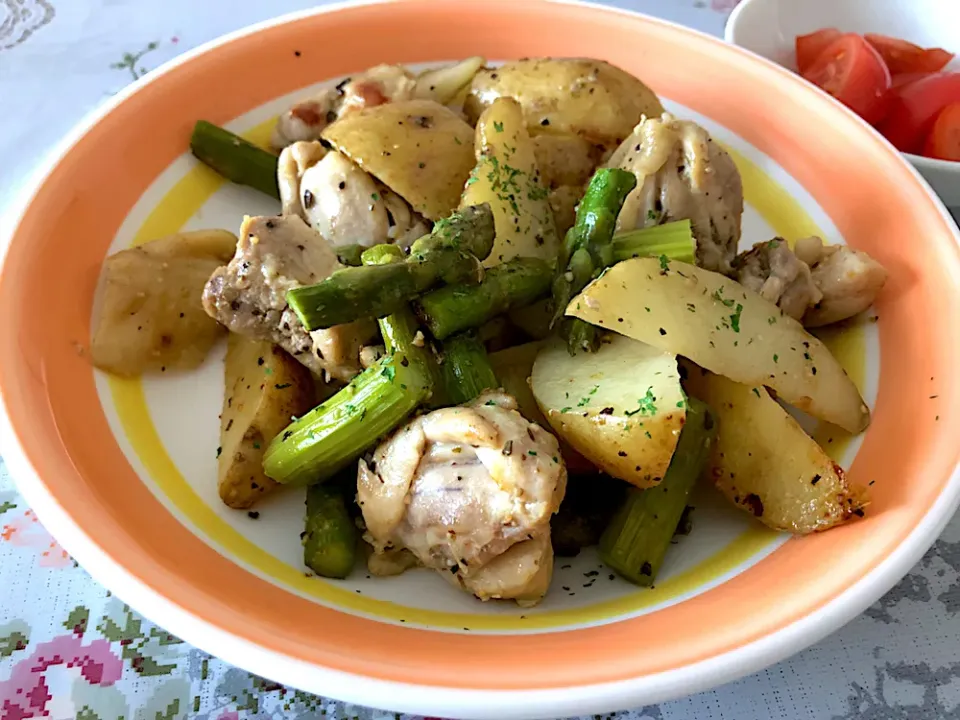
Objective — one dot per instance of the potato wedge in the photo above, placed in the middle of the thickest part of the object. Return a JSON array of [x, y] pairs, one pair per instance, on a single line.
[[767, 465], [507, 177], [593, 99], [726, 328], [563, 203], [621, 407], [565, 159], [150, 316], [443, 84], [264, 387], [513, 368], [421, 150]]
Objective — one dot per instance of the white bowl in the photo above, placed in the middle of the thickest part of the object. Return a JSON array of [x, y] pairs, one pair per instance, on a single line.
[[769, 27]]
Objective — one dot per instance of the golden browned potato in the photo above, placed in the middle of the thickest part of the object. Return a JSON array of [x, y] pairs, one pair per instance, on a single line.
[[507, 177], [726, 328], [444, 84], [513, 368], [590, 98], [766, 464], [264, 388], [565, 159], [418, 148], [563, 204], [151, 317], [621, 407]]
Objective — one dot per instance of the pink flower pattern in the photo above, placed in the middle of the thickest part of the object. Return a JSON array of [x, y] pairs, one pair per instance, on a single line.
[[25, 694], [27, 532]]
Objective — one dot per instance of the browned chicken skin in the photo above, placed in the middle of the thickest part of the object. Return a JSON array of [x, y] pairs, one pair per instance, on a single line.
[[469, 491], [274, 255], [682, 174], [814, 283]]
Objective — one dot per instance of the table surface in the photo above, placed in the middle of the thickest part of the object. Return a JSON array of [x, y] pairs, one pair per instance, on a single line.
[[58, 61]]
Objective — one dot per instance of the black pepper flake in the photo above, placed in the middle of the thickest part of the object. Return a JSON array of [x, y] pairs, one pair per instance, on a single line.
[[421, 165], [219, 451], [260, 361], [234, 305], [858, 512], [754, 504], [566, 588], [296, 53], [816, 479], [253, 515], [404, 362], [342, 185], [181, 315], [662, 331], [281, 386], [646, 569], [607, 411], [455, 569], [545, 122], [621, 453], [270, 224]]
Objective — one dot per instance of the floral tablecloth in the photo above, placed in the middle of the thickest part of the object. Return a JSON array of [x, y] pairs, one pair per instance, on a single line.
[[69, 649]]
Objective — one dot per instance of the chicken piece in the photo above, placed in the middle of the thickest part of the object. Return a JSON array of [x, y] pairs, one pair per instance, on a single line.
[[462, 486], [345, 204], [307, 119], [682, 174], [370, 354], [849, 281], [814, 283], [294, 161], [274, 255], [773, 270], [522, 573]]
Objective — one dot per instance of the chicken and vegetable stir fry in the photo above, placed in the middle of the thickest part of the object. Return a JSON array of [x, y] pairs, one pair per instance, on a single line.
[[499, 316]]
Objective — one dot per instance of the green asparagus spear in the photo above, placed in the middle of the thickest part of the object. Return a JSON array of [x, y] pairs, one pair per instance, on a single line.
[[400, 330], [513, 284], [313, 448], [349, 255], [467, 371], [637, 538], [235, 158], [587, 248], [674, 240], [451, 253], [330, 535]]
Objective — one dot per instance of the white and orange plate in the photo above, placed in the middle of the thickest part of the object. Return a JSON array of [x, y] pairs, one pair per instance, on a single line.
[[123, 472]]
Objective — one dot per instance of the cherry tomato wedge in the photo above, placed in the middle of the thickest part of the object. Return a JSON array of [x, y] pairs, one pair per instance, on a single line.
[[913, 109], [905, 57], [810, 46], [943, 142], [854, 73], [902, 79]]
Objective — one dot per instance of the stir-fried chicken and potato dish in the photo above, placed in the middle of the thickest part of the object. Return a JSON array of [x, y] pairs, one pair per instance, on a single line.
[[499, 316]]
